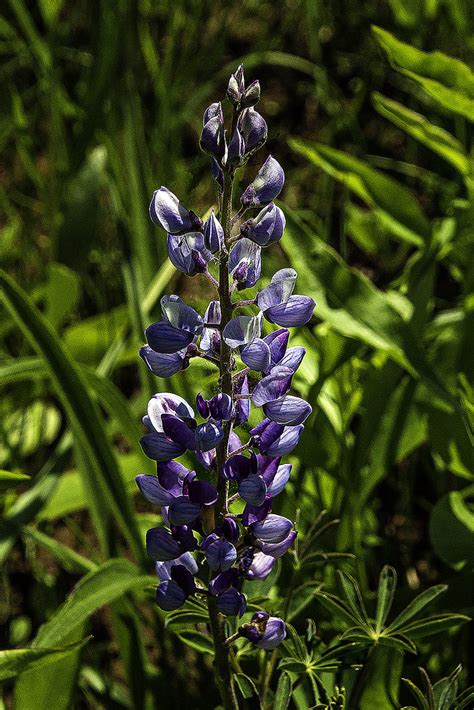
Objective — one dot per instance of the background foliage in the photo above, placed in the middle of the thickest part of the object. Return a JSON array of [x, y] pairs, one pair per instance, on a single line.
[[102, 103]]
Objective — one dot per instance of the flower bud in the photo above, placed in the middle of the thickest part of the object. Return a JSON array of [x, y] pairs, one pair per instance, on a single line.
[[168, 212], [236, 86], [267, 185], [213, 234], [231, 603], [267, 227], [274, 528], [251, 95], [254, 130]]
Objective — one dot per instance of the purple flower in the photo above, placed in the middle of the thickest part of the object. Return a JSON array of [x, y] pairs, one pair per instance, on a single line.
[[172, 593], [261, 566], [213, 234], [163, 569], [220, 407], [212, 136], [287, 410], [275, 439], [256, 355], [253, 129], [242, 406], [278, 304], [235, 150], [245, 263], [273, 529], [267, 185], [242, 330], [231, 603], [188, 252], [275, 385], [163, 545], [277, 549], [161, 364], [220, 553], [264, 631], [178, 328], [266, 228], [167, 211], [210, 337], [251, 95]]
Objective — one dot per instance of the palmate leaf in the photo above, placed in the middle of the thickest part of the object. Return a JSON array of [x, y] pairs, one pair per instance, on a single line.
[[108, 498], [449, 82]]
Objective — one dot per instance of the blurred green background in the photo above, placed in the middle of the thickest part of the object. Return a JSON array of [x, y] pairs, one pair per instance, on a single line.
[[101, 104]]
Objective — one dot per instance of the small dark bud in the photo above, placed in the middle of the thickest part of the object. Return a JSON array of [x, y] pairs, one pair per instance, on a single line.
[[251, 95]]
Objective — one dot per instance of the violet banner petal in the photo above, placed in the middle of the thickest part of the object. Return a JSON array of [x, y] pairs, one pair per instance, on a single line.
[[288, 410], [272, 386], [298, 310]]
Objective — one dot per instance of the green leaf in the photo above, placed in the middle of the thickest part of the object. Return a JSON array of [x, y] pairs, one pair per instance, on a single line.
[[449, 82], [353, 305], [200, 642], [385, 594], [452, 530], [381, 680], [18, 660], [420, 698], [437, 139], [394, 205], [293, 665], [434, 625], [107, 495], [337, 607], [70, 495], [185, 618], [69, 559], [246, 686], [10, 480], [416, 606], [51, 687], [283, 692], [102, 586], [354, 598]]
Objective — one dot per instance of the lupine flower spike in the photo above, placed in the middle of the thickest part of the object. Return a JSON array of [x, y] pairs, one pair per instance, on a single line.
[[204, 547]]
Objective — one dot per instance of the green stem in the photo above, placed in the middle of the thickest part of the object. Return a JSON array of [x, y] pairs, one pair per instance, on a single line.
[[217, 620]]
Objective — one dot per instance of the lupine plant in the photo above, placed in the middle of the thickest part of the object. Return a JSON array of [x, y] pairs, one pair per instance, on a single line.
[[204, 547]]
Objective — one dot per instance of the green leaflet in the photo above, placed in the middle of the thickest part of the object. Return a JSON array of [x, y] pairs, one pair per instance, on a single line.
[[10, 480], [101, 586], [448, 81], [416, 125], [17, 660], [353, 305], [394, 205], [108, 498], [452, 530]]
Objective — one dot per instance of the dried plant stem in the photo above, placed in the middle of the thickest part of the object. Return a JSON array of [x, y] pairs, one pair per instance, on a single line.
[[217, 620]]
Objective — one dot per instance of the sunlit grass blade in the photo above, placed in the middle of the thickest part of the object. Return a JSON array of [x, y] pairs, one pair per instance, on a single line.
[[108, 498]]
